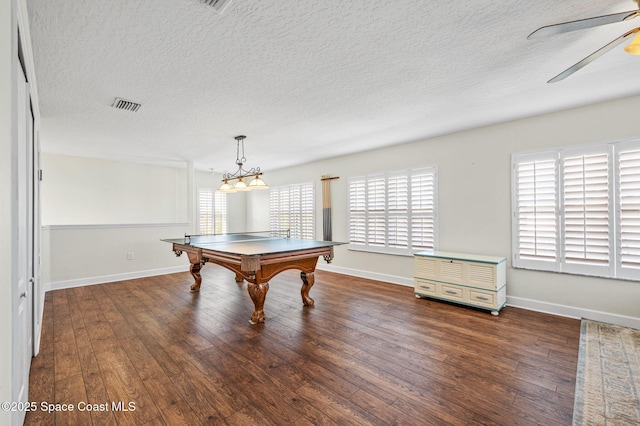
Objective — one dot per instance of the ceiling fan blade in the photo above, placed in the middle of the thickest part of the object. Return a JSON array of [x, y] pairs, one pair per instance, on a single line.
[[582, 24], [595, 55]]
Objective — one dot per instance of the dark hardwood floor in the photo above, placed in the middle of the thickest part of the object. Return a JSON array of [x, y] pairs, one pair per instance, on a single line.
[[366, 353]]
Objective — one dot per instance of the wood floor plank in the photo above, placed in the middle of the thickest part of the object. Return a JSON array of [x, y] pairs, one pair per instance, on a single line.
[[432, 410], [249, 416], [66, 358], [261, 392], [342, 411], [70, 395], [173, 409], [95, 386], [367, 353], [388, 414], [203, 385], [125, 387], [196, 391]]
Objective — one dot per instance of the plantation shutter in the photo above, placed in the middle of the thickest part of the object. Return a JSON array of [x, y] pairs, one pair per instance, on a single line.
[[274, 209], [398, 210], [376, 206], [220, 212], [536, 204], [205, 211], [295, 213], [629, 211], [598, 220], [586, 208], [307, 228], [283, 211], [423, 196], [292, 208], [393, 212], [357, 204]]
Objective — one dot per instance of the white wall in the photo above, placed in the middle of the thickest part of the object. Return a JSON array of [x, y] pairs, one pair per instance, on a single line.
[[87, 191], [95, 212], [7, 204], [475, 202]]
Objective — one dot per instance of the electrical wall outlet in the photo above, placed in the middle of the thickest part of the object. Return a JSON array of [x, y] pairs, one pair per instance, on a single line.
[[130, 256]]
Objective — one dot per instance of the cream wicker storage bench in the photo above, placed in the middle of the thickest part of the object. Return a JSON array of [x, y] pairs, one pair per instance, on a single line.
[[468, 279]]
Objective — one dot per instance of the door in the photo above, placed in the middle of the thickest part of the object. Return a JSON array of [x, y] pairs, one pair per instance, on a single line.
[[30, 234], [23, 293]]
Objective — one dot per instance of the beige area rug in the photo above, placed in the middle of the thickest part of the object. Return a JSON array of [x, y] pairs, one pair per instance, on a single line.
[[608, 378]]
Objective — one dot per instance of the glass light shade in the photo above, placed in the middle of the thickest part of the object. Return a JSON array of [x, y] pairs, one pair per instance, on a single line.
[[241, 186], [634, 46], [225, 187], [258, 183]]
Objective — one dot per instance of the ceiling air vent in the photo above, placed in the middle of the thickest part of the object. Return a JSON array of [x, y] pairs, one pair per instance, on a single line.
[[218, 5], [126, 105]]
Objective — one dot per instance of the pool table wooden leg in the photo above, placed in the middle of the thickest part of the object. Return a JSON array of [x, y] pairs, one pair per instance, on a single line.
[[307, 282], [196, 265], [258, 292]]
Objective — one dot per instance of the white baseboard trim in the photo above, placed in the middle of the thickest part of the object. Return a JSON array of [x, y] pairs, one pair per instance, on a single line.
[[59, 285], [516, 302], [573, 312]]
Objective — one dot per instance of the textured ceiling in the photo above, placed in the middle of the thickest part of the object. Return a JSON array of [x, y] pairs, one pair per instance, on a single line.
[[305, 79]]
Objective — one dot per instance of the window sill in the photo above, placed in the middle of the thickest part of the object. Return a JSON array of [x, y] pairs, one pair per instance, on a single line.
[[626, 277]]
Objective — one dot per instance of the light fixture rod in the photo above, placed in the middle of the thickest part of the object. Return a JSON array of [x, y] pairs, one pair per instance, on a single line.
[[240, 160]]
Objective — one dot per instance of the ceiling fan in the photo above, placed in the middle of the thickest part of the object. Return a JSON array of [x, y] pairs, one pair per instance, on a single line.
[[581, 24]]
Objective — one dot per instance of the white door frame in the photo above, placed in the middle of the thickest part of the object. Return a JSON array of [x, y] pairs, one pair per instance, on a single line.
[[22, 309]]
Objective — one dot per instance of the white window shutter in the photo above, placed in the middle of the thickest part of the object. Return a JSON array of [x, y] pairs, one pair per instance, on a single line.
[[220, 212], [291, 208], [357, 229], [598, 193], [423, 200], [398, 194], [295, 213], [629, 212], [423, 232], [376, 195], [536, 206], [586, 209], [205, 211], [398, 211], [398, 231], [274, 209], [307, 209], [211, 212], [376, 208], [357, 206], [393, 212]]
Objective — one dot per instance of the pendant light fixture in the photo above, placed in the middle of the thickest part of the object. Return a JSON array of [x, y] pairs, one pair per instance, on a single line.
[[234, 182]]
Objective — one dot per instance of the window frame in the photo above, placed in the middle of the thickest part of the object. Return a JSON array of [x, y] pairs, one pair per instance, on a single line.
[[533, 262], [585, 268], [621, 271], [306, 228], [614, 269], [218, 211], [366, 213]]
